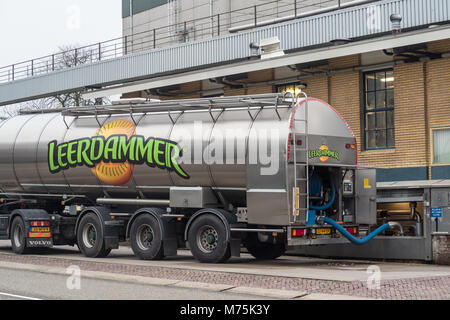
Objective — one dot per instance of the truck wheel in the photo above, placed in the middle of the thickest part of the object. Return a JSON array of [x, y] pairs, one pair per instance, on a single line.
[[146, 238], [90, 237], [207, 239], [263, 250], [18, 236]]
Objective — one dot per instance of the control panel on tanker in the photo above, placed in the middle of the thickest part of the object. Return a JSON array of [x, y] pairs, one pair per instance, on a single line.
[[348, 184]]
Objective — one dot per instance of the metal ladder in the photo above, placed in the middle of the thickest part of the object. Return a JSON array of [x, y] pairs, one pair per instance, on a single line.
[[297, 194]]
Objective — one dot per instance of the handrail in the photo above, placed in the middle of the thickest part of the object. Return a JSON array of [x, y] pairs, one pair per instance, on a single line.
[[207, 27], [261, 101]]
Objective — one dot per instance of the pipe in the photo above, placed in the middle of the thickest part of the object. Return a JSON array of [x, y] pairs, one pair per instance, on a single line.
[[290, 79], [396, 224], [346, 234], [330, 203], [257, 230], [134, 202]]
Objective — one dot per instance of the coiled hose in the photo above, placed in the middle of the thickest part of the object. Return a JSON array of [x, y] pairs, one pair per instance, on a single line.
[[330, 203], [346, 234]]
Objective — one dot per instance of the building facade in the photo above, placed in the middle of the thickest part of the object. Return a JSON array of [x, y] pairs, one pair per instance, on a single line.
[[396, 100], [150, 24]]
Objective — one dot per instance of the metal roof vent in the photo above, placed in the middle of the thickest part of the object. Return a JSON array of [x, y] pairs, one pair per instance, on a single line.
[[270, 48], [396, 21]]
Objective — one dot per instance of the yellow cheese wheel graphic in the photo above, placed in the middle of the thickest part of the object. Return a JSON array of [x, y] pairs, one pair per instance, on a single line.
[[324, 158], [115, 174]]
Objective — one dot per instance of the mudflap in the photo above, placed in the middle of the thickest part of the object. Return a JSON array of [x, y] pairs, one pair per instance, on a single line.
[[235, 246], [39, 242], [170, 242]]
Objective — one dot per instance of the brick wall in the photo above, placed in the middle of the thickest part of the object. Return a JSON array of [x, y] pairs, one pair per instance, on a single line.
[[344, 96], [409, 119], [438, 96], [345, 62], [441, 46], [441, 249], [317, 87], [422, 102]]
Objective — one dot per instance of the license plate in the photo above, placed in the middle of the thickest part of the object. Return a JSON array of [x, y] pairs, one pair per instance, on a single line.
[[323, 231], [40, 229]]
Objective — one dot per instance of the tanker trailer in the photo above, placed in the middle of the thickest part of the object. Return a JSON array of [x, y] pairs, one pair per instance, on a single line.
[[266, 172]]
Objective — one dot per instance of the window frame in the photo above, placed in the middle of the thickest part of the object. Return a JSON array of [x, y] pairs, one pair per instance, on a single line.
[[375, 110], [433, 163]]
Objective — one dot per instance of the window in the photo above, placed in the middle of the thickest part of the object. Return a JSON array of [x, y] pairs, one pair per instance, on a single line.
[[290, 87], [441, 146], [379, 129]]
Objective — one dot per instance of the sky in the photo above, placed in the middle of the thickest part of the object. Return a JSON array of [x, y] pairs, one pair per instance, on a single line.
[[34, 28]]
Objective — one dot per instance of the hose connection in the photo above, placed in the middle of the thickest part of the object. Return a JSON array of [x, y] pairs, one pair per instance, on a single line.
[[353, 239]]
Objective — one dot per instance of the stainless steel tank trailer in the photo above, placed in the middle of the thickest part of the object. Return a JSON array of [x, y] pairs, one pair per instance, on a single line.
[[96, 176]]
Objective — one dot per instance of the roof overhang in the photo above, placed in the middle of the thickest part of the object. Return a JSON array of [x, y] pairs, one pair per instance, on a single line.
[[364, 46]]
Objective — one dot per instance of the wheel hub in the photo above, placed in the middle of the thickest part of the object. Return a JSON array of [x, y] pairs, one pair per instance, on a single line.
[[210, 239], [144, 237], [207, 239], [89, 235]]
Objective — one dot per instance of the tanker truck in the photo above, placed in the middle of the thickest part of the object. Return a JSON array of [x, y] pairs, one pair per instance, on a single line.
[[213, 175]]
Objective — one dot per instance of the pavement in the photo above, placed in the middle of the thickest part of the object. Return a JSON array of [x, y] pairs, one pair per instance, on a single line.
[[289, 277], [24, 282]]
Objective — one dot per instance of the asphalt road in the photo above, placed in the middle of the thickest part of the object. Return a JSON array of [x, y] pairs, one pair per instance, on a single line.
[[123, 276], [29, 285]]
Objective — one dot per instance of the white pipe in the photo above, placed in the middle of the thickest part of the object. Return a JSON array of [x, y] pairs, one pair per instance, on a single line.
[[132, 23], [302, 15], [134, 202]]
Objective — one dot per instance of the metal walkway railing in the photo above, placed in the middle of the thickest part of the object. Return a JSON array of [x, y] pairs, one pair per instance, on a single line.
[[363, 24], [198, 29]]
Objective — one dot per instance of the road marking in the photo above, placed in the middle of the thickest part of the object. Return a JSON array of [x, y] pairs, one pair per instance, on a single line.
[[17, 296]]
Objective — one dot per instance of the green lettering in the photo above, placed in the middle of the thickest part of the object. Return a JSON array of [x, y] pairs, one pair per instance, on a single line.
[[157, 152], [174, 161], [82, 154], [62, 155], [51, 157], [125, 147], [71, 151], [110, 151], [144, 152], [97, 145]]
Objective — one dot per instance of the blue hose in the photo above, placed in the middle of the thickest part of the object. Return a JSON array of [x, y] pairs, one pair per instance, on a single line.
[[329, 204], [346, 234]]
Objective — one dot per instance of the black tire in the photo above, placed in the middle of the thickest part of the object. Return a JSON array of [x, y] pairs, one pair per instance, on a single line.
[[18, 236], [207, 239], [146, 238], [90, 237], [263, 250]]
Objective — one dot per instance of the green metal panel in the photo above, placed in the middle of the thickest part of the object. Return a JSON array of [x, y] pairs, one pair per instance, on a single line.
[[140, 6]]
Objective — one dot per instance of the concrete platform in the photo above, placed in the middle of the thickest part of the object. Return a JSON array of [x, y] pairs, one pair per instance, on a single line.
[[286, 266]]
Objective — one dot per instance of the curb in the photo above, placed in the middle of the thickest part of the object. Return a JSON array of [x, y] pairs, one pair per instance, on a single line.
[[254, 291], [279, 294]]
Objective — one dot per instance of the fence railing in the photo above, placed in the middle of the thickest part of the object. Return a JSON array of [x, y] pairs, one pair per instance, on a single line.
[[192, 30]]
